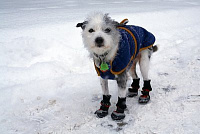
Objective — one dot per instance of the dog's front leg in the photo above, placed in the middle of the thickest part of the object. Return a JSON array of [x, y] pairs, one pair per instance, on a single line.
[[104, 86], [121, 104], [105, 103]]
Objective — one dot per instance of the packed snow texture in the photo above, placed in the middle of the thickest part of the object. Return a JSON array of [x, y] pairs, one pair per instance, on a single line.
[[48, 84]]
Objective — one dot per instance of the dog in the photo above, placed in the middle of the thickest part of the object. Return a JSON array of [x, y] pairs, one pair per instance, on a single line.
[[116, 48]]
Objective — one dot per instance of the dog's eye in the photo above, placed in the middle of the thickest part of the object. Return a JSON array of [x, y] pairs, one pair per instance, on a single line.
[[91, 30], [107, 30]]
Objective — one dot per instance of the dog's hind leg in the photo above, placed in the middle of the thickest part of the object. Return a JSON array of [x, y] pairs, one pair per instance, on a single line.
[[144, 63], [105, 103], [121, 104], [133, 90]]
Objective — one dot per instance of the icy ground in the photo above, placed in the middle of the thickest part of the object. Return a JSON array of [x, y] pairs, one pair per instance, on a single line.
[[49, 86]]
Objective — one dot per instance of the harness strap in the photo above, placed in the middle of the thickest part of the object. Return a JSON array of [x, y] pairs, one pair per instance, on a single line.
[[124, 22]]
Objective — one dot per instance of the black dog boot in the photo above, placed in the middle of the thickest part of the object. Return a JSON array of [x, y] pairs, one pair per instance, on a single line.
[[145, 97], [133, 91], [105, 104], [119, 113]]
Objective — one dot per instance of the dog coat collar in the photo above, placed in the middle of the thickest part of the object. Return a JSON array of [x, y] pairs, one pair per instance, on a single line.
[[133, 39]]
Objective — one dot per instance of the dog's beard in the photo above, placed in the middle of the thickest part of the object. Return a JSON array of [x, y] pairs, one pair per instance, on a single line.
[[100, 50]]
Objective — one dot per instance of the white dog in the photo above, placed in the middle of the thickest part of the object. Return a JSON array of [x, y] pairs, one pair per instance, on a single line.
[[116, 48]]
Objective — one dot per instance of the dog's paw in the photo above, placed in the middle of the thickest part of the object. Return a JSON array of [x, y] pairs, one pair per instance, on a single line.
[[117, 116], [101, 113], [144, 99], [131, 93]]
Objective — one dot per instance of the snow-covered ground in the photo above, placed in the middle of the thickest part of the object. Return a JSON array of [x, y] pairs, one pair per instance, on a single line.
[[48, 84]]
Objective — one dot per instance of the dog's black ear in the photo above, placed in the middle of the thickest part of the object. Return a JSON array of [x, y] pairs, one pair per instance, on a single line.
[[82, 25], [79, 25]]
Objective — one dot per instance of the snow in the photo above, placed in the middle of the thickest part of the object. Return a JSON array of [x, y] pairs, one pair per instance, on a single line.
[[48, 84]]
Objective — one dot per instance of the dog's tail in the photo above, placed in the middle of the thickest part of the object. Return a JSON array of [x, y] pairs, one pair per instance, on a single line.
[[155, 48]]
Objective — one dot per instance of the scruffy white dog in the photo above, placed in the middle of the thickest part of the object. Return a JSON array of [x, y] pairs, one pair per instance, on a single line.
[[116, 48]]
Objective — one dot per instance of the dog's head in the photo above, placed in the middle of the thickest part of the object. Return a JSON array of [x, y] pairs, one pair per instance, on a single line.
[[100, 34]]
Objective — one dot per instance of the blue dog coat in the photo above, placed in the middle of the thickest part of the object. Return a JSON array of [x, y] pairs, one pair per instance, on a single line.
[[133, 39]]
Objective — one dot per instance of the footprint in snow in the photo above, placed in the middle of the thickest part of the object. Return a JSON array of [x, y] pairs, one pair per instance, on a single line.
[[164, 74], [169, 88], [115, 125], [193, 98]]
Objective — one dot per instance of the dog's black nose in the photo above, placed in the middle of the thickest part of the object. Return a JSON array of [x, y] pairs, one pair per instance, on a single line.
[[99, 41]]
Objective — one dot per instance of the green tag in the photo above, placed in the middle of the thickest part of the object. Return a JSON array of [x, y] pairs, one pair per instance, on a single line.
[[104, 67]]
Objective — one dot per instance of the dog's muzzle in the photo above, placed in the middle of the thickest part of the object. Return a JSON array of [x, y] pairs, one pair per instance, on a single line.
[[99, 41]]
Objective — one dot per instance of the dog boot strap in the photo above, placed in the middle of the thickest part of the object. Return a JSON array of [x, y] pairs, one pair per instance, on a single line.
[[119, 113], [105, 103], [145, 92], [147, 85], [121, 104], [135, 85]]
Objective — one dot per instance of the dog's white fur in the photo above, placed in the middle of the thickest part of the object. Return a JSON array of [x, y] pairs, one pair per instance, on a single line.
[[97, 22]]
